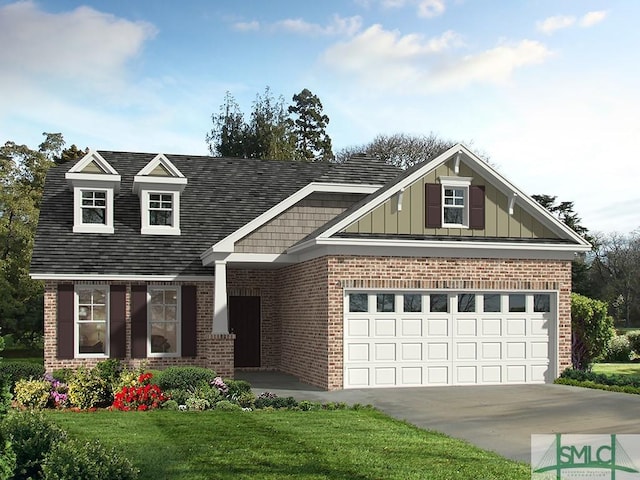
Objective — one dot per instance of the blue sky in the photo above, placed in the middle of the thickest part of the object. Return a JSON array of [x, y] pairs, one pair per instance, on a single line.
[[548, 89]]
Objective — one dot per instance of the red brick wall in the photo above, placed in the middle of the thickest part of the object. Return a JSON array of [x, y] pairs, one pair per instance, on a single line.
[[214, 351]]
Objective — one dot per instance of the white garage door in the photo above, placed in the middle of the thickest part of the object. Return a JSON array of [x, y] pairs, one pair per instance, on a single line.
[[436, 338]]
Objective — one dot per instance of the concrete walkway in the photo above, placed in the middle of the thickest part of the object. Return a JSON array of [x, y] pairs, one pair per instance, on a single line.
[[498, 418]]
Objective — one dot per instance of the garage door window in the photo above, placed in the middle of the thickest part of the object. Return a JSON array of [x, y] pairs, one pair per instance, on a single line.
[[385, 302], [466, 302], [412, 302], [542, 302], [517, 302], [491, 303], [358, 302], [438, 303]]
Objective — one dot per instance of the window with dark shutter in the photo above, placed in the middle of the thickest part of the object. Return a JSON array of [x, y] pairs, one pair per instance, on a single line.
[[433, 205], [189, 320], [66, 315], [117, 321], [476, 207], [139, 321]]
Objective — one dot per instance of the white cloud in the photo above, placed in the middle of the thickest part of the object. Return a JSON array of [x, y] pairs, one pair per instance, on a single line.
[[430, 8], [247, 26], [338, 26], [593, 18], [82, 45], [409, 64], [491, 66], [552, 24]]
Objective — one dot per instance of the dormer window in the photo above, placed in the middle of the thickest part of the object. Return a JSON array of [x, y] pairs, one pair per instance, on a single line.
[[94, 183], [159, 185]]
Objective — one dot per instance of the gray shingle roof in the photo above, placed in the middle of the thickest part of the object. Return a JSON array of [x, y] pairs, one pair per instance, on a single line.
[[221, 196]]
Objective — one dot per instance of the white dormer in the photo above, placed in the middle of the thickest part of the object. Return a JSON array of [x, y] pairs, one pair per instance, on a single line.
[[159, 185], [93, 182]]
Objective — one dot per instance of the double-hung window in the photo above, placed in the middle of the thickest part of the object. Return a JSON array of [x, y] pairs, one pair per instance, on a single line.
[[92, 320], [454, 205], [161, 209], [94, 207], [164, 321]]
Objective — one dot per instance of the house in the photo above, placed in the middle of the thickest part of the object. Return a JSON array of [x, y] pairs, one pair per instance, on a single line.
[[344, 275]]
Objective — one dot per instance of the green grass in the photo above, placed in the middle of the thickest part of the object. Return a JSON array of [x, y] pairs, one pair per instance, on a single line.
[[617, 368], [23, 355], [344, 444]]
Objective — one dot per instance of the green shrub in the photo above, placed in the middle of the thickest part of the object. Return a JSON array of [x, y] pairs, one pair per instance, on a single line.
[[619, 349], [63, 374], [203, 397], [264, 401], [306, 406], [236, 387], [7, 457], [15, 371], [32, 393], [32, 436], [109, 371], [88, 390], [591, 330], [170, 405], [245, 399], [178, 395], [228, 406], [184, 377], [74, 460], [634, 341], [601, 378], [598, 386]]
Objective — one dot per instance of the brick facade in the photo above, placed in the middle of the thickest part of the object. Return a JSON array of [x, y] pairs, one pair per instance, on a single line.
[[213, 351], [302, 311]]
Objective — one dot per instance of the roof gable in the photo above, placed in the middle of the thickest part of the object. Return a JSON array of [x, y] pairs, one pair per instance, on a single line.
[[516, 211]]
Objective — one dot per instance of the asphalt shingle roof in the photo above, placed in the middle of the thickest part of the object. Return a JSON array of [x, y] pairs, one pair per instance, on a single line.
[[222, 195]]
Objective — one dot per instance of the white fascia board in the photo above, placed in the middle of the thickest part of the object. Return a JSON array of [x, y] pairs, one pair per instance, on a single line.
[[227, 243], [93, 180], [145, 182], [161, 159], [108, 277], [93, 156], [440, 250]]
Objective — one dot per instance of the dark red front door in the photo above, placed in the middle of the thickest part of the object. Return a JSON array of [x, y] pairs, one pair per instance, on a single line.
[[244, 321]]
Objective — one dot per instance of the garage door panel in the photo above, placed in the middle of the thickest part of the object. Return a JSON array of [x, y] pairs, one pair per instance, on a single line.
[[357, 327], [385, 352], [411, 327], [437, 327], [385, 327], [358, 352], [384, 349]]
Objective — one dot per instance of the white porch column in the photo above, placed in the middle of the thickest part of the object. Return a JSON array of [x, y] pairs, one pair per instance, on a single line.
[[220, 310]]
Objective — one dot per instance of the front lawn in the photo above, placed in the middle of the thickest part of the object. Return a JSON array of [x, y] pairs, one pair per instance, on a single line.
[[617, 368], [343, 444]]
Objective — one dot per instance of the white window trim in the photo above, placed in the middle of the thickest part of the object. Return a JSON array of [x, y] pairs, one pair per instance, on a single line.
[[76, 322], [456, 183], [78, 225], [178, 352], [146, 227]]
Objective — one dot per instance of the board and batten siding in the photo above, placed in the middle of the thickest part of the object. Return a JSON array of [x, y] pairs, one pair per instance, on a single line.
[[386, 219]]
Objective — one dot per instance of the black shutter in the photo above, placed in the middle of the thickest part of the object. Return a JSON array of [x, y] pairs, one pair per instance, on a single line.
[[117, 321], [189, 311], [138, 321], [476, 207], [66, 315], [433, 205]]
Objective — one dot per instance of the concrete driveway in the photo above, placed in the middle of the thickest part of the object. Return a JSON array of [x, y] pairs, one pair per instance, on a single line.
[[498, 418]]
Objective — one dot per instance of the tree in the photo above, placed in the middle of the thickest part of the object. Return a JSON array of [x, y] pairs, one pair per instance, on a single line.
[[309, 127], [22, 175], [270, 132], [400, 149], [591, 330], [564, 211], [227, 138], [615, 274]]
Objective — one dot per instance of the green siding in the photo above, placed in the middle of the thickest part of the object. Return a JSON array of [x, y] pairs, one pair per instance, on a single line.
[[386, 219]]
